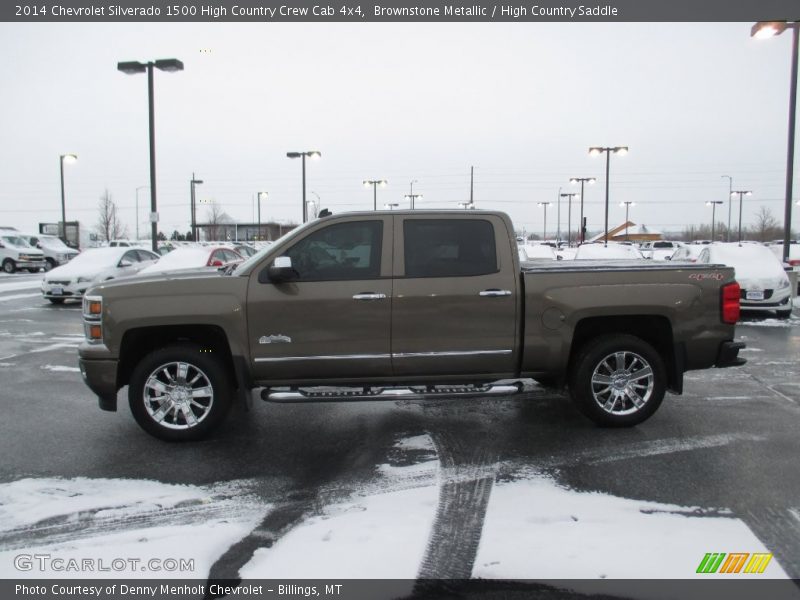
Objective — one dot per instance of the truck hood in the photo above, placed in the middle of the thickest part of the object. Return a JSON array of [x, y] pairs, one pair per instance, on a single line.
[[173, 282]]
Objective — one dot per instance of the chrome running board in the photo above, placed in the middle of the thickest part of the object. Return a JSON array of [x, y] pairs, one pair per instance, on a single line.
[[349, 394]]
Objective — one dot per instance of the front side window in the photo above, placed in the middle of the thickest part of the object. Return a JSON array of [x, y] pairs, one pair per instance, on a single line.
[[344, 251], [449, 247]]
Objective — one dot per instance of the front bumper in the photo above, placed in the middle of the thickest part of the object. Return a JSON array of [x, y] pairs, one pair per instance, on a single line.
[[779, 299], [101, 377], [61, 290], [30, 264], [728, 355]]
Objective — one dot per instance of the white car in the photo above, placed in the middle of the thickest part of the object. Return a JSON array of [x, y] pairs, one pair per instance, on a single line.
[[687, 253], [765, 285], [614, 251], [55, 251], [91, 267], [16, 253], [660, 249], [536, 252], [194, 258]]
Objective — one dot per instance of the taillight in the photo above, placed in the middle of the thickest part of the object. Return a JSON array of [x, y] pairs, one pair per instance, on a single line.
[[795, 262], [731, 310]]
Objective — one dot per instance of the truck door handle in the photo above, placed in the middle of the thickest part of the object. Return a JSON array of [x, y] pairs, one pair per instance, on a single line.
[[493, 293], [369, 296]]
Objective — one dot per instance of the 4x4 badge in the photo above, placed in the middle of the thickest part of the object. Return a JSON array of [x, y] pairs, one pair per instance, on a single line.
[[275, 339]]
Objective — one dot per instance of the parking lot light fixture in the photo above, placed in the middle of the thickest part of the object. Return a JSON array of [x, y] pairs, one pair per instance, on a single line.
[[608, 151], [303, 155], [544, 226], [582, 181], [69, 159], [375, 183], [765, 29], [170, 65], [740, 194], [713, 205]]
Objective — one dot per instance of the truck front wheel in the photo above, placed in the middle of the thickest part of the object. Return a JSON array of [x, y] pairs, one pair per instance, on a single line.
[[618, 380], [179, 393]]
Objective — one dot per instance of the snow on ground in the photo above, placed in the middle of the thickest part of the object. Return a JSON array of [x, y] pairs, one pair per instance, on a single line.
[[107, 519], [60, 368], [12, 286], [536, 529], [18, 296]]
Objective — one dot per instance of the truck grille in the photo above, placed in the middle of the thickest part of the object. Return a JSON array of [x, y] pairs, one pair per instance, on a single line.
[[52, 282]]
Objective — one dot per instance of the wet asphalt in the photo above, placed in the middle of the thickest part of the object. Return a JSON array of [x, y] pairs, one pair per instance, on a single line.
[[728, 445]]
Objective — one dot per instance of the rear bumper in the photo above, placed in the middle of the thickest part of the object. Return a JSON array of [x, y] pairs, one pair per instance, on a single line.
[[728, 355]]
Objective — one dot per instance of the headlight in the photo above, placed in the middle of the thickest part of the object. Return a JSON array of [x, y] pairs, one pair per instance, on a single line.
[[783, 283]]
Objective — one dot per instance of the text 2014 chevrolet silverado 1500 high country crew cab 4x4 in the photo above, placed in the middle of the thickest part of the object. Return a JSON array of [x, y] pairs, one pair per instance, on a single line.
[[419, 299]]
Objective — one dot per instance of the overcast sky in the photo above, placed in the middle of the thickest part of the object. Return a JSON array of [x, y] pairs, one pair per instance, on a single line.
[[522, 102]]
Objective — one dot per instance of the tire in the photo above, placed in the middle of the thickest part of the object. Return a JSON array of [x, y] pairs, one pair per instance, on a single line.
[[184, 364], [9, 266], [56, 300], [784, 314], [51, 264], [634, 372], [33, 270]]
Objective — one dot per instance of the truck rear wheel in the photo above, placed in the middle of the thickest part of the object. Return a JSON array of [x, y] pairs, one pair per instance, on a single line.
[[179, 393], [618, 380]]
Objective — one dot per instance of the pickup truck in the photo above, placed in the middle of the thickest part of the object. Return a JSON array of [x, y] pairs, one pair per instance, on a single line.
[[362, 305]]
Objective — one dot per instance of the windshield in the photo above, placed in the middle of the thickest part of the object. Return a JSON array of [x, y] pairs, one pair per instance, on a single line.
[[53, 243], [13, 240]]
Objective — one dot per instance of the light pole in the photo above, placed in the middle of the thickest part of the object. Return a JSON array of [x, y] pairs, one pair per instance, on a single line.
[[765, 29], [544, 226], [258, 202], [412, 197], [68, 158], [741, 193], [608, 150], [730, 205], [582, 180], [569, 198], [627, 204], [713, 205], [170, 65], [141, 187], [375, 183], [193, 182], [310, 154]]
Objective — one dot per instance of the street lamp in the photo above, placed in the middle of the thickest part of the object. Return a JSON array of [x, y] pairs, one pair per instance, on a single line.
[[68, 158], [627, 204], [766, 29], [741, 193], [170, 65], [193, 182], [713, 205], [467, 205], [730, 205], [412, 197], [569, 216], [310, 154], [583, 180], [391, 205], [258, 202], [608, 150], [544, 227], [141, 187], [375, 183]]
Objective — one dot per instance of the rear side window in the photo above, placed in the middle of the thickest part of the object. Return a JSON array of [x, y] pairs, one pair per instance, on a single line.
[[449, 247]]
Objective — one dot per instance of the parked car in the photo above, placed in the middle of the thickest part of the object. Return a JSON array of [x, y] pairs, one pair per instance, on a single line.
[[536, 252], [245, 250], [687, 253], [614, 251], [91, 267], [659, 249], [194, 258], [55, 251], [16, 253], [124, 243], [764, 284]]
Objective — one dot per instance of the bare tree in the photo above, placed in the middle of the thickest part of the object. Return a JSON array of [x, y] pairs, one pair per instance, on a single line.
[[109, 227], [766, 227], [214, 220]]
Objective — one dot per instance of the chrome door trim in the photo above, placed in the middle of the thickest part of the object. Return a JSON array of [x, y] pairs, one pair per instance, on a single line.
[[369, 296], [448, 353], [328, 357], [494, 293]]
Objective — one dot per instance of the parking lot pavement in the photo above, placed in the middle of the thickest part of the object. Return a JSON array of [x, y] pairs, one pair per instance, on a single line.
[[511, 487]]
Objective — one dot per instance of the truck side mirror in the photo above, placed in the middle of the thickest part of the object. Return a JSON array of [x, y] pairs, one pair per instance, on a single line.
[[281, 270]]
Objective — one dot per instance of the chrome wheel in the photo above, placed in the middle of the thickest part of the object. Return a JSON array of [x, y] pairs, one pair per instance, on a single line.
[[178, 395], [622, 383]]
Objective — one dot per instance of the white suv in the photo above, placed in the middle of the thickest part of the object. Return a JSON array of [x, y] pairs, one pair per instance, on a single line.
[[16, 253]]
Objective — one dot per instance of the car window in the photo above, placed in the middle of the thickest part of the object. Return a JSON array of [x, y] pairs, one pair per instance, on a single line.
[[449, 247], [145, 256], [344, 251], [130, 256]]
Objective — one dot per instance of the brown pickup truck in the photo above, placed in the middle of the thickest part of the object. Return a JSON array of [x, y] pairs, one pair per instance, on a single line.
[[362, 305]]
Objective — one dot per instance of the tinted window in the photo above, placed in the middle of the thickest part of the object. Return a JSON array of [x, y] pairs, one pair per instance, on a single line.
[[145, 256], [339, 252], [449, 247], [131, 256]]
